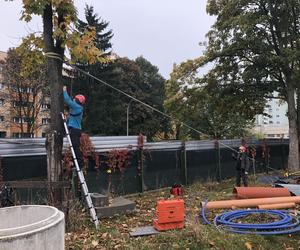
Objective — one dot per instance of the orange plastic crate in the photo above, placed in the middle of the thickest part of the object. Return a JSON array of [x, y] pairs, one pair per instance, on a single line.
[[169, 214]]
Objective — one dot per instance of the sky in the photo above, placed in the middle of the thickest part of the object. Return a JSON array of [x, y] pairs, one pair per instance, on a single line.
[[162, 31]]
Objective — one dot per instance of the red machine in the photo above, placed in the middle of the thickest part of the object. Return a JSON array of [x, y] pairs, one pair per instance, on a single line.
[[176, 190]]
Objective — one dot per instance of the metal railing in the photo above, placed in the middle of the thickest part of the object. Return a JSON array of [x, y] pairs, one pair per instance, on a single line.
[[36, 146]]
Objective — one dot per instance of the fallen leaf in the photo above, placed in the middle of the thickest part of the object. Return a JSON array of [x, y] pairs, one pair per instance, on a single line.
[[211, 243], [103, 236], [95, 243], [248, 246]]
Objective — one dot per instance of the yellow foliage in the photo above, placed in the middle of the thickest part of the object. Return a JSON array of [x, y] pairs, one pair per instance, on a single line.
[[81, 45], [31, 53], [83, 48]]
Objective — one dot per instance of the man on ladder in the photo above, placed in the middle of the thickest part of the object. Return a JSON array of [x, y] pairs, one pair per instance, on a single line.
[[74, 124], [73, 132]]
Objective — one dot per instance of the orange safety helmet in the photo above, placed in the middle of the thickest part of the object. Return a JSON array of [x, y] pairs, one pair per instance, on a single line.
[[80, 98]]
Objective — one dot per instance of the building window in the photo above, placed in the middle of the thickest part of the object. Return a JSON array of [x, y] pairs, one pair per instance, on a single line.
[[45, 121], [21, 104], [270, 122], [278, 122], [1, 102], [1, 118], [2, 134], [271, 135], [1, 85], [23, 135], [277, 115], [44, 135], [22, 119], [17, 119], [28, 119], [25, 90], [45, 106], [22, 89]]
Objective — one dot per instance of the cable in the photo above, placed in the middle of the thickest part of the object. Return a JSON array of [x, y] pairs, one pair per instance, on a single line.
[[135, 99], [56, 56], [286, 223], [143, 103]]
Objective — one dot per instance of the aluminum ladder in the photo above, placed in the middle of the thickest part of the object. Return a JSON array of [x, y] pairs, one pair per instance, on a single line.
[[81, 178]]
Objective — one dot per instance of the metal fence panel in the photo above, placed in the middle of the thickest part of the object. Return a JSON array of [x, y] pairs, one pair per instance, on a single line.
[[163, 162]]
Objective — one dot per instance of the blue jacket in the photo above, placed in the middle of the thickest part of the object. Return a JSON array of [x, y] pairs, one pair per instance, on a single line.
[[75, 111]]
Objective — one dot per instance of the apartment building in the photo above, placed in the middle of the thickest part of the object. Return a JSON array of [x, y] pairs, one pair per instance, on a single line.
[[26, 119], [275, 123]]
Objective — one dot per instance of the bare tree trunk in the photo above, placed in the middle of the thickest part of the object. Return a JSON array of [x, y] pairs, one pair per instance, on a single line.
[[55, 137], [293, 159]]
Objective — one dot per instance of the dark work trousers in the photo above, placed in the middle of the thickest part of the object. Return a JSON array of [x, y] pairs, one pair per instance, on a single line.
[[75, 138], [75, 134], [240, 174]]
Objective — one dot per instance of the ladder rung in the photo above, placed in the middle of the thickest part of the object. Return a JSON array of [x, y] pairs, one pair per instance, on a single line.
[[81, 177]]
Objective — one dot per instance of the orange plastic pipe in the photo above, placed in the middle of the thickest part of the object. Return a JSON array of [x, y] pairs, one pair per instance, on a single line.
[[259, 192], [277, 206], [250, 202]]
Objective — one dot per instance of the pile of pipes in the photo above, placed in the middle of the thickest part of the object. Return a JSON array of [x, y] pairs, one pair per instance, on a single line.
[[262, 200], [257, 197]]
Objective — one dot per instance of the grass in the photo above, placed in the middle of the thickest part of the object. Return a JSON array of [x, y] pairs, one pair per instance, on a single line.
[[114, 232]]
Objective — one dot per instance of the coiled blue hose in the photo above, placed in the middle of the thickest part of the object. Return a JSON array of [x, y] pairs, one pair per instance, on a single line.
[[286, 223]]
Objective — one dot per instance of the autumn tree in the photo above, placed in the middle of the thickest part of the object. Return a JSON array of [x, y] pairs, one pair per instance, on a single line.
[[203, 104], [256, 43], [24, 94], [59, 34]]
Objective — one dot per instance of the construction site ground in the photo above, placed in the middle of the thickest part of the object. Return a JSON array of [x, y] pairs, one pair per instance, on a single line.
[[114, 232]]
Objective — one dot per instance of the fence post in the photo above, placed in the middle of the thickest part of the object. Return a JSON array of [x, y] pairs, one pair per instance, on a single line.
[[218, 160], [284, 166], [265, 155], [1, 170], [141, 162], [183, 164]]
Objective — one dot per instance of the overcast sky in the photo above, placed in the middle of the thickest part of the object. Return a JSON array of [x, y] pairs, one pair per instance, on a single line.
[[163, 31]]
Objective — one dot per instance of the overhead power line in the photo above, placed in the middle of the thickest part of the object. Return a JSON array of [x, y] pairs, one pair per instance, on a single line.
[[67, 62], [143, 103]]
